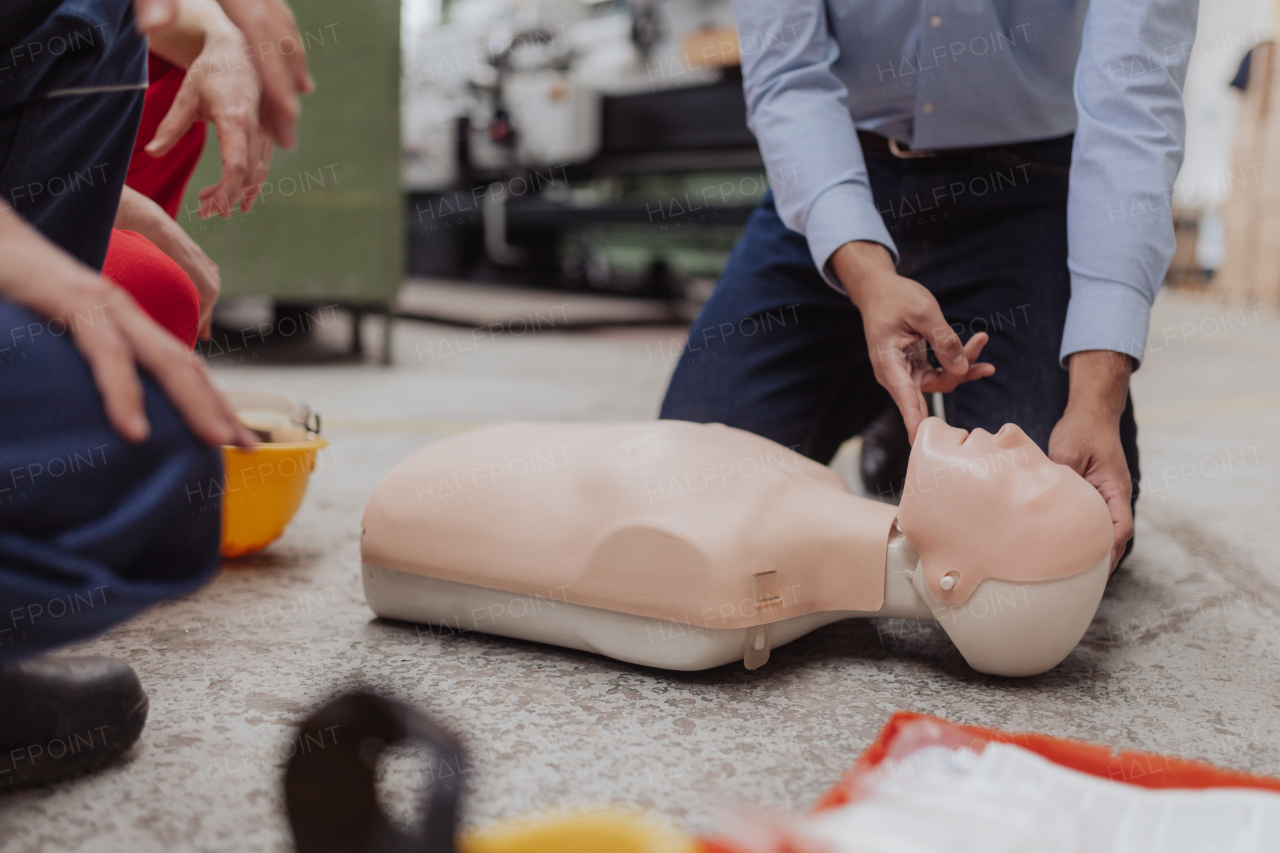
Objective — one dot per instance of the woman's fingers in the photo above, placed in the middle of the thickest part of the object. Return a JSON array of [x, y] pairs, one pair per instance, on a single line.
[[258, 170], [182, 114], [278, 55], [233, 147]]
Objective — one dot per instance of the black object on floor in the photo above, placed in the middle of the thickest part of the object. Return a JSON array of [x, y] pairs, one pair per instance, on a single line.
[[329, 785], [63, 716], [885, 453]]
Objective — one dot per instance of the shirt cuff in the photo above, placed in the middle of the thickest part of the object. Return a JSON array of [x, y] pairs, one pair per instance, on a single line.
[[1105, 315], [840, 214]]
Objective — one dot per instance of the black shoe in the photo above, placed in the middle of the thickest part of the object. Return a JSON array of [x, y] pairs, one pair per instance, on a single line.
[[64, 716], [885, 451]]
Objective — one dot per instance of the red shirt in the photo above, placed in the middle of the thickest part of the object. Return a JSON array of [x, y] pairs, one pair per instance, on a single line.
[[164, 179]]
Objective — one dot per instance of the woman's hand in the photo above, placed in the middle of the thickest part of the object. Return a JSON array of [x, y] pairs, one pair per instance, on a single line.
[[139, 213], [276, 48], [221, 87]]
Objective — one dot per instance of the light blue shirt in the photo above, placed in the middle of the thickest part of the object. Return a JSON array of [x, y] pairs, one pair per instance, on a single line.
[[960, 73]]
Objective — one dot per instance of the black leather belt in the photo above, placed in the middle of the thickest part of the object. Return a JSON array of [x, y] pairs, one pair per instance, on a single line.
[[875, 144]]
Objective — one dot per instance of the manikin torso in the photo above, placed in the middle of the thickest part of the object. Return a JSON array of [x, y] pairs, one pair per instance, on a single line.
[[686, 545]]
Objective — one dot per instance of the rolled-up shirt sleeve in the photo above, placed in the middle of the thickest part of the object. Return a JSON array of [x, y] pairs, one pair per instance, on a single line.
[[799, 112], [1127, 152]]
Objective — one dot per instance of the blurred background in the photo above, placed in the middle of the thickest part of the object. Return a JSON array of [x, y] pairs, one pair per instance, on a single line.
[[464, 161]]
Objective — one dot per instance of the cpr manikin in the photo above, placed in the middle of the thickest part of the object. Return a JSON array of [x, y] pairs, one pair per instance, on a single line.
[[687, 546]]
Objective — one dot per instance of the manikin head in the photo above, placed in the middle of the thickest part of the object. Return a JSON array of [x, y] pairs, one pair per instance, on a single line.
[[991, 516]]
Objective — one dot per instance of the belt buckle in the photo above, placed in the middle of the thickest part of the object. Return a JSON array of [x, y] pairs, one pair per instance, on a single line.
[[907, 153]]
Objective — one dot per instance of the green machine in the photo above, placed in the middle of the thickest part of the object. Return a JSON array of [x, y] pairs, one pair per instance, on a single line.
[[329, 228]]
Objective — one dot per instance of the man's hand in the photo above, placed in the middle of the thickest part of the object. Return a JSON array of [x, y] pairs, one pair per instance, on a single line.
[[139, 213], [1087, 438], [112, 333], [276, 48], [899, 316]]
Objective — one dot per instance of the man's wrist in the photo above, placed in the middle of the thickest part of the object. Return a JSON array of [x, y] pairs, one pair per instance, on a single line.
[[858, 262], [18, 244], [1099, 384]]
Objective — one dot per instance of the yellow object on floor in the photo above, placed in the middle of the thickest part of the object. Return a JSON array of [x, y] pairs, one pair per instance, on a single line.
[[595, 831], [264, 488]]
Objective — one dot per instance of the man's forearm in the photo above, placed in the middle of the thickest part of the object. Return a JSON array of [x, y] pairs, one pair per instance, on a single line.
[[19, 245], [1099, 384], [197, 21], [136, 212], [858, 262]]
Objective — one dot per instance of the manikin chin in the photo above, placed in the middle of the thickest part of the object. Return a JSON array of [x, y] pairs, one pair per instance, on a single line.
[[687, 546]]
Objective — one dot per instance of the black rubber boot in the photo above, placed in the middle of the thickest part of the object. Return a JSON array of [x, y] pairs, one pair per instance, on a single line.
[[885, 451], [64, 716]]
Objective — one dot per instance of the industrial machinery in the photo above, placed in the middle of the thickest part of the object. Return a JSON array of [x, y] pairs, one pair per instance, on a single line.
[[575, 143]]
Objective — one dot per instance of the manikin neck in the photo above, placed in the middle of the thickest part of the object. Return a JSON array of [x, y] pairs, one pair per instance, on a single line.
[[900, 598]]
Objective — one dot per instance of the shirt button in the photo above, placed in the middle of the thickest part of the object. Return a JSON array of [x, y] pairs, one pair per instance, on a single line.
[[936, 20], [927, 106]]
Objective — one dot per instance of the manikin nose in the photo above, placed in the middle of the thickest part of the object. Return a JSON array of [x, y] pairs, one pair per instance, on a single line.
[[1007, 436]]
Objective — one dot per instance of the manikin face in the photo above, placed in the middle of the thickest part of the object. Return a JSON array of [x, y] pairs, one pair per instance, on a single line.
[[978, 506]]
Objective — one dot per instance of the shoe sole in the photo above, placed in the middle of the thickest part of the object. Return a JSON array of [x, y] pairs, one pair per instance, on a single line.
[[47, 771]]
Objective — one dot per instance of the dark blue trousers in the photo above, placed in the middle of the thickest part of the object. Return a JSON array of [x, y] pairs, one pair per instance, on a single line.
[[778, 352], [92, 528]]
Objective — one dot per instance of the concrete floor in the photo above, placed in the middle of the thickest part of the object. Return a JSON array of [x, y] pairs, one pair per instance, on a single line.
[[1181, 659]]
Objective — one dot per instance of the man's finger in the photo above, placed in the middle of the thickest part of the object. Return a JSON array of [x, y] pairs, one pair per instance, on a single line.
[[943, 383], [1121, 527], [177, 121], [206, 323], [945, 342], [1121, 522], [180, 375], [111, 363], [973, 346], [187, 385], [906, 395], [242, 436], [937, 381]]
